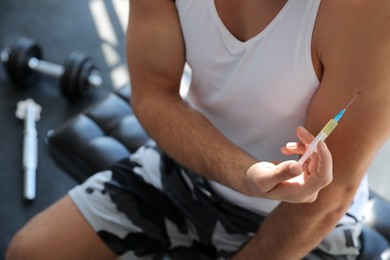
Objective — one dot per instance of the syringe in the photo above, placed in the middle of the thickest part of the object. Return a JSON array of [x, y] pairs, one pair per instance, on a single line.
[[324, 133]]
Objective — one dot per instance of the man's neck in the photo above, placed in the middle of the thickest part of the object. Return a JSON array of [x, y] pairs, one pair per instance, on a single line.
[[246, 19]]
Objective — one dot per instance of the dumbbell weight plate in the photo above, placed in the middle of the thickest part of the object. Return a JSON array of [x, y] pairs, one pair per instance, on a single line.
[[74, 82], [17, 65]]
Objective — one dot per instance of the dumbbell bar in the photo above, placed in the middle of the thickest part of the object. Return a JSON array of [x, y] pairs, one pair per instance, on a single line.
[[23, 63]]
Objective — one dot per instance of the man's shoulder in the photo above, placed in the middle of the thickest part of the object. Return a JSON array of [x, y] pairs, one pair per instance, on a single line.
[[342, 25], [355, 15], [354, 6]]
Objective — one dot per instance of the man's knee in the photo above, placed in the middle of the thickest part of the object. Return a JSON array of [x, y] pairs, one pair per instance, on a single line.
[[21, 247]]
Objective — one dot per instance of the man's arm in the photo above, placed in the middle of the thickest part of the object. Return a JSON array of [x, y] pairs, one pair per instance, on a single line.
[[353, 44], [156, 57]]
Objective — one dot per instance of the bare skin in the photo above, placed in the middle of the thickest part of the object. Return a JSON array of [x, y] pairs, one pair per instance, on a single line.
[[60, 232], [350, 50]]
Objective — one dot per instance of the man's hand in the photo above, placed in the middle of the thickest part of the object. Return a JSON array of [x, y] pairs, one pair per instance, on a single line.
[[289, 181]]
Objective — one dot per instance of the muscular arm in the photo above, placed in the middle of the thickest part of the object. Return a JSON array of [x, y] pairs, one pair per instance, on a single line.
[[353, 44], [156, 57]]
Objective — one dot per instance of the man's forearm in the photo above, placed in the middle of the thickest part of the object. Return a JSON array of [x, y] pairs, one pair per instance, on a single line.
[[291, 231], [190, 139]]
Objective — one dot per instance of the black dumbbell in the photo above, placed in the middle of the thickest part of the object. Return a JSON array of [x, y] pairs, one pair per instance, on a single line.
[[23, 63]]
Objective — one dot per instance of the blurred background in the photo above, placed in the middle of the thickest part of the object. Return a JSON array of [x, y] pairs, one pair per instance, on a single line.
[[97, 28]]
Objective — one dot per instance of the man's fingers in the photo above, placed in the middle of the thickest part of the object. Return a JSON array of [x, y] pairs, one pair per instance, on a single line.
[[267, 176], [298, 147], [304, 135], [293, 148], [289, 181], [296, 190], [285, 171], [304, 188], [324, 165]]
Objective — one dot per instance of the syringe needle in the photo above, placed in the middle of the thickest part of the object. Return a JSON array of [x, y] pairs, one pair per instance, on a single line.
[[324, 133], [350, 102], [342, 111]]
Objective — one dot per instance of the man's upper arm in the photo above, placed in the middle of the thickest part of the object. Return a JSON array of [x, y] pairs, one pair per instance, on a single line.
[[354, 48], [155, 49]]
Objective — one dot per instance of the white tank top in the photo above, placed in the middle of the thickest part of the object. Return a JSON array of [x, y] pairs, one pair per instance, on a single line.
[[255, 92]]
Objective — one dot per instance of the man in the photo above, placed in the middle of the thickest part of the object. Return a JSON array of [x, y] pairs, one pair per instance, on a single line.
[[259, 69]]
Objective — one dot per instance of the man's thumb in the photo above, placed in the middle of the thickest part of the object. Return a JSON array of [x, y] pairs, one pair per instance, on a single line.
[[288, 170]]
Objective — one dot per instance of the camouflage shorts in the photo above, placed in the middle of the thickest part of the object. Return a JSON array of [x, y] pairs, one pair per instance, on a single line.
[[156, 209]]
